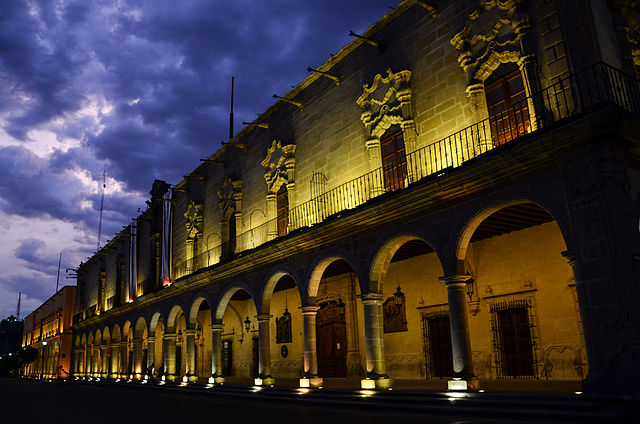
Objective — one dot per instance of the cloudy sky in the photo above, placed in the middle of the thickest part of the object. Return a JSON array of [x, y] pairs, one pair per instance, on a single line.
[[142, 87]]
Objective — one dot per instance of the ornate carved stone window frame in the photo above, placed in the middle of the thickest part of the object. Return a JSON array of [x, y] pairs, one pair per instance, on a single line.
[[378, 115], [481, 53], [230, 195], [280, 165]]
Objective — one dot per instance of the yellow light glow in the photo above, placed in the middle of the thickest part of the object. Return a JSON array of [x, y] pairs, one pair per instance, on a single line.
[[367, 384], [257, 381], [456, 395], [367, 393], [304, 382], [303, 391]]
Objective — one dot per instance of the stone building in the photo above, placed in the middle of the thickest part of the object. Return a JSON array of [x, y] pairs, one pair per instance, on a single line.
[[451, 199], [48, 329]]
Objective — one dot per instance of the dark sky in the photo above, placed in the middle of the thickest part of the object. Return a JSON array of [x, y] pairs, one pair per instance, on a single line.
[[142, 87]]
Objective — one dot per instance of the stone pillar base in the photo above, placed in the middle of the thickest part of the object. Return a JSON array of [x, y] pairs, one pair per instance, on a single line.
[[216, 379], [171, 378], [192, 379], [381, 383], [264, 381], [463, 385], [314, 382]]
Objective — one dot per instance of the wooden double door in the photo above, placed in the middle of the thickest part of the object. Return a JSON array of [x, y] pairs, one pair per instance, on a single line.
[[331, 344]]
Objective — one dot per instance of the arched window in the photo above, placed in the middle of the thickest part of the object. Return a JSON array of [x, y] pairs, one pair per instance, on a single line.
[[508, 109], [394, 160], [282, 206]]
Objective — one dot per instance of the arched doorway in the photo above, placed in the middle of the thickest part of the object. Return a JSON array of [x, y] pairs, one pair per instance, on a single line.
[[339, 319], [200, 322], [524, 320]]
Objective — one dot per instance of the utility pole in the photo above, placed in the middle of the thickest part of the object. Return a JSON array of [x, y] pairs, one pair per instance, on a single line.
[[18, 309]]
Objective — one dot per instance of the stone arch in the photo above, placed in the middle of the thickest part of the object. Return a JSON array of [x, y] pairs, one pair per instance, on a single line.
[[106, 337], [319, 269], [77, 342], [116, 334], [382, 259], [195, 306], [125, 330], [470, 226], [155, 318], [270, 285], [97, 338], [224, 299], [141, 326], [174, 313]]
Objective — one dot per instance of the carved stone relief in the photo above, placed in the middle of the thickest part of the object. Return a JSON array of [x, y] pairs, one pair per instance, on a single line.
[[384, 103], [630, 28], [194, 219], [492, 35], [230, 195], [280, 165]]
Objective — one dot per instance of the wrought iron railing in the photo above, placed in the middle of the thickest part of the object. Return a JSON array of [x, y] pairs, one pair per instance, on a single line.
[[569, 97]]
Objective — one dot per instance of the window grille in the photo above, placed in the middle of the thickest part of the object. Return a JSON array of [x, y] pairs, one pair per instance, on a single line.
[[505, 359], [428, 349]]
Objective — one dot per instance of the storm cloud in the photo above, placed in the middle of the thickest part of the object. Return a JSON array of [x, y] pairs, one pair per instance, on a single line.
[[141, 87]]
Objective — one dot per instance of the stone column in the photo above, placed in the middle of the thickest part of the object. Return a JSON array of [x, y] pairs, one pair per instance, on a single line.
[[137, 358], [104, 365], [216, 353], [189, 255], [170, 356], [481, 131], [124, 359], [151, 354], [264, 352], [376, 377], [190, 336], [310, 378], [115, 360], [77, 353], [463, 376], [272, 215]]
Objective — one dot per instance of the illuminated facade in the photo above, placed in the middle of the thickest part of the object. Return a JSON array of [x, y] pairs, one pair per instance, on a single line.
[[452, 199], [48, 329]]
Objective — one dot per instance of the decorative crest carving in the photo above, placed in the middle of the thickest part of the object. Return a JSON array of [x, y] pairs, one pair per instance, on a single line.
[[491, 36], [386, 102], [279, 164], [230, 195], [630, 12], [194, 219]]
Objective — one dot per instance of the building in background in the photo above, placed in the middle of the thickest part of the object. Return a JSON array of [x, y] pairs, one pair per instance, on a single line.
[[48, 329], [451, 199]]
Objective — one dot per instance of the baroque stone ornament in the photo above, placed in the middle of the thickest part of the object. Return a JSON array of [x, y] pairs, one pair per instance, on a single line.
[[279, 165], [386, 102], [230, 195], [194, 219], [630, 27], [492, 35]]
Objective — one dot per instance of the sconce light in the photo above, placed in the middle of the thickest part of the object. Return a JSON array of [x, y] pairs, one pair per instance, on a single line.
[[398, 297], [247, 324], [470, 287], [341, 305]]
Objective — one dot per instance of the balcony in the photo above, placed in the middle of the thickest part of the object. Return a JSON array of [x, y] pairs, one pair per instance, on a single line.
[[576, 95]]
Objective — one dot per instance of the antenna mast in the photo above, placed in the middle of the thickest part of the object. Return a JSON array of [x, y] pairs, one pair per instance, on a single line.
[[104, 185], [18, 309], [231, 114]]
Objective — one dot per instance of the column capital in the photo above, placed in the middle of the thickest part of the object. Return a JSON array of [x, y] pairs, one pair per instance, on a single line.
[[371, 298], [189, 332], [455, 279], [169, 336], [263, 317], [137, 340], [217, 328], [309, 310], [151, 339]]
